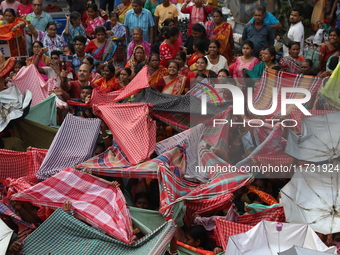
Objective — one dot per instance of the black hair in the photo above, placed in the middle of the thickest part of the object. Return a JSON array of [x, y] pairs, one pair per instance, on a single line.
[[334, 29], [111, 68], [167, 32], [198, 233], [99, 29], [174, 62], [218, 11], [140, 195], [128, 70], [56, 52], [199, 28], [139, 67], [71, 47], [139, 2], [182, 55], [86, 87], [90, 59], [38, 42], [74, 16], [20, 62], [249, 43], [297, 9], [12, 11], [253, 197], [51, 23], [310, 62], [334, 61], [199, 44], [216, 42], [114, 14], [224, 71], [272, 52], [204, 58], [201, 75], [167, 22], [290, 45], [80, 38], [92, 6], [261, 8], [154, 55]]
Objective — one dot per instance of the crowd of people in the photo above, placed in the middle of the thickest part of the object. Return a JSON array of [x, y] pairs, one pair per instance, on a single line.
[[104, 52]]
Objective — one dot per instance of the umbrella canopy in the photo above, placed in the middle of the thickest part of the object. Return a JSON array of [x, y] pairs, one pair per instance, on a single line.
[[320, 140], [313, 198], [264, 239], [296, 250], [5, 237]]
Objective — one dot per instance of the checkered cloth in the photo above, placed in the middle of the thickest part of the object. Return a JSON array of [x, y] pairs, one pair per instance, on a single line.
[[29, 78], [224, 228], [263, 95], [97, 97], [16, 164], [73, 144], [131, 127], [63, 234], [94, 201], [113, 162], [200, 198]]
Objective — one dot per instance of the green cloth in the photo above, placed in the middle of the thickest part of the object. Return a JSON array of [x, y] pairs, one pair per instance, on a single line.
[[45, 112], [257, 71], [255, 207], [34, 134], [331, 90], [63, 234]]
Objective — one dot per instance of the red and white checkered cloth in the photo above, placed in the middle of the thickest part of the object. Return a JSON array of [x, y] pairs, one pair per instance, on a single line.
[[94, 201], [74, 143], [29, 78], [132, 128], [98, 97], [272, 214]]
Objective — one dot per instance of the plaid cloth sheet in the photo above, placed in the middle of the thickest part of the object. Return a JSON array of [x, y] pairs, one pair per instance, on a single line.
[[63, 234], [132, 128], [94, 201], [73, 144], [263, 95], [113, 162]]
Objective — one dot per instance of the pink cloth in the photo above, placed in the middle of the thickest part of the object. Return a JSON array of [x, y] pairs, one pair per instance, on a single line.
[[239, 65], [14, 6], [24, 10], [146, 45], [92, 24]]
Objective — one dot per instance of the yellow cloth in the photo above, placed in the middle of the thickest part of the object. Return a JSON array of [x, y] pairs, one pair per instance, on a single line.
[[164, 13]]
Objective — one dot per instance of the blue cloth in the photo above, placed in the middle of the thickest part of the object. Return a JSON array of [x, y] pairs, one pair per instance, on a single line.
[[270, 19], [261, 38], [76, 62], [73, 32], [39, 23], [144, 21]]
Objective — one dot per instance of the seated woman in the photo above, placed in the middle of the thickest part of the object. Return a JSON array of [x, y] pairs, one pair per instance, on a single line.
[[268, 61], [181, 60], [14, 24], [93, 20], [44, 60], [174, 83], [216, 61], [329, 48], [73, 27], [94, 75], [202, 64], [49, 38], [198, 47], [108, 82], [138, 57], [124, 77], [137, 36], [292, 63], [307, 67], [156, 71], [101, 48]]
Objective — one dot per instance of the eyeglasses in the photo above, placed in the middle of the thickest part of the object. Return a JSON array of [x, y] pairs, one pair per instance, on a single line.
[[35, 5]]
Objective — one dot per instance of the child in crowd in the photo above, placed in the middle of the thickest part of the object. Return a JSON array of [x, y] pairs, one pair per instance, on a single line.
[[24, 8], [85, 98], [17, 66]]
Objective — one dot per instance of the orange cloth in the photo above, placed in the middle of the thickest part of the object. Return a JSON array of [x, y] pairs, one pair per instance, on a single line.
[[6, 30], [268, 199]]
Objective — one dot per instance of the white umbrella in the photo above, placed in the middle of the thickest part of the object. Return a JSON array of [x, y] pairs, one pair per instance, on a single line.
[[264, 239], [5, 237], [320, 140], [312, 197], [296, 250]]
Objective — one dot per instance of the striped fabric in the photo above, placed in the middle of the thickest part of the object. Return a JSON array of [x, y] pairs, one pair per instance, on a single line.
[[16, 164], [29, 78], [113, 162], [94, 200], [73, 144], [225, 228], [203, 87], [63, 234], [132, 128], [201, 198], [178, 121], [263, 96]]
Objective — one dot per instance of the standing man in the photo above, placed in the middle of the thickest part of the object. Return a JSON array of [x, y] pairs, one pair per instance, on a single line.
[[165, 11], [296, 32], [259, 32], [139, 17], [270, 19]]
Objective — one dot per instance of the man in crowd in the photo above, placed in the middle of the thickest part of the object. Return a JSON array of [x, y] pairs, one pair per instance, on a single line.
[[79, 46], [296, 32], [74, 87], [270, 19]]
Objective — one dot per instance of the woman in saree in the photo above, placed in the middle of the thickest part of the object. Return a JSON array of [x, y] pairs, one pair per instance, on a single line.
[[181, 60], [222, 32], [88, 60], [174, 83], [11, 31], [93, 20], [44, 60], [138, 57], [156, 71], [137, 39], [108, 82], [123, 8], [101, 48], [292, 63], [199, 51]]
